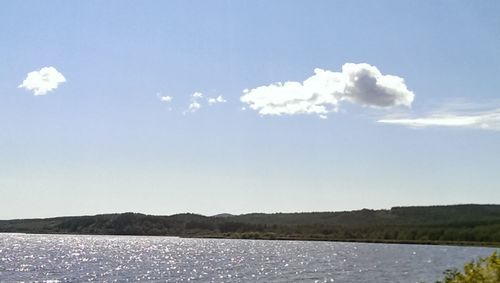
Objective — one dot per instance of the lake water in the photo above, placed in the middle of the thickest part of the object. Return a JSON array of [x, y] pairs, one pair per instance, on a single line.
[[69, 258]]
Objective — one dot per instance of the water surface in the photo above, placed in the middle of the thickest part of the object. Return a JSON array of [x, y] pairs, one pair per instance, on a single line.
[[77, 258]]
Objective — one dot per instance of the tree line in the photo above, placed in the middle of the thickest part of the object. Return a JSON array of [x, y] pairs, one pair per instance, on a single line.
[[474, 224]]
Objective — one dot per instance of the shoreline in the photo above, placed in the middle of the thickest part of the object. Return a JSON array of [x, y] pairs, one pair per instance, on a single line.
[[297, 239], [454, 225], [366, 241]]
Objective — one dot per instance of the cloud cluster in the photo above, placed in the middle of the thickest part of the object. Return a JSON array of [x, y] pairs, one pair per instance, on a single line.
[[488, 120], [195, 105], [43, 81], [321, 93], [215, 100], [197, 99]]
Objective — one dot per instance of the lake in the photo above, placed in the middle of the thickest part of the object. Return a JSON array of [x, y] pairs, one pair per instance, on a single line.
[[77, 258]]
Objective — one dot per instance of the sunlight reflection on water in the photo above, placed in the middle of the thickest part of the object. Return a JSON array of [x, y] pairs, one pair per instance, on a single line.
[[70, 258]]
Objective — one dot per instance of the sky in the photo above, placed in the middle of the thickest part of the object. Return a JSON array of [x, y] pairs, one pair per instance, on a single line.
[[165, 107]]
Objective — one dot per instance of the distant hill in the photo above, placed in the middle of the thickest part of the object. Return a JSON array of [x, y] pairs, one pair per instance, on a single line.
[[455, 224], [223, 215]]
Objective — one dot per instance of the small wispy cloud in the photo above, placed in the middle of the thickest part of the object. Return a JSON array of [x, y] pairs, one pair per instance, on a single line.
[[166, 98], [42, 81], [322, 93], [194, 104], [487, 120], [216, 100]]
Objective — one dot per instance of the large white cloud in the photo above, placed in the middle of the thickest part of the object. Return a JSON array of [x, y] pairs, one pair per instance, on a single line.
[[366, 85], [43, 81], [489, 120], [321, 93]]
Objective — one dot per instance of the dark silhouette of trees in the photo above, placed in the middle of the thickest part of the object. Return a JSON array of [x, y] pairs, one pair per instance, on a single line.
[[432, 224]]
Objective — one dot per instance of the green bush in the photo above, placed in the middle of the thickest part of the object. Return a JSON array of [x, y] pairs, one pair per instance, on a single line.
[[483, 270]]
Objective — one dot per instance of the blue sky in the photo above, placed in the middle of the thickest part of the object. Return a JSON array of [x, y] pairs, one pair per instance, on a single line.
[[102, 140]]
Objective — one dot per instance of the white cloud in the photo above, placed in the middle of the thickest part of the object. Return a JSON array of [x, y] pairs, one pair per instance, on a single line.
[[218, 99], [195, 105], [367, 86], [43, 81], [322, 93], [489, 120], [166, 98]]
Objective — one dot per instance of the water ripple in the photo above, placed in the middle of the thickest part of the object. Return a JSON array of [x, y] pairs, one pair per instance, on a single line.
[[70, 258]]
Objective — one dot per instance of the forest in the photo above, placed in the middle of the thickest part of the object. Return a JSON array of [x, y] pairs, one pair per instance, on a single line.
[[454, 224]]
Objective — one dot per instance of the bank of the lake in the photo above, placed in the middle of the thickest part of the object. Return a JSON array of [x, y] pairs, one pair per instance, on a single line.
[[374, 241], [473, 225]]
